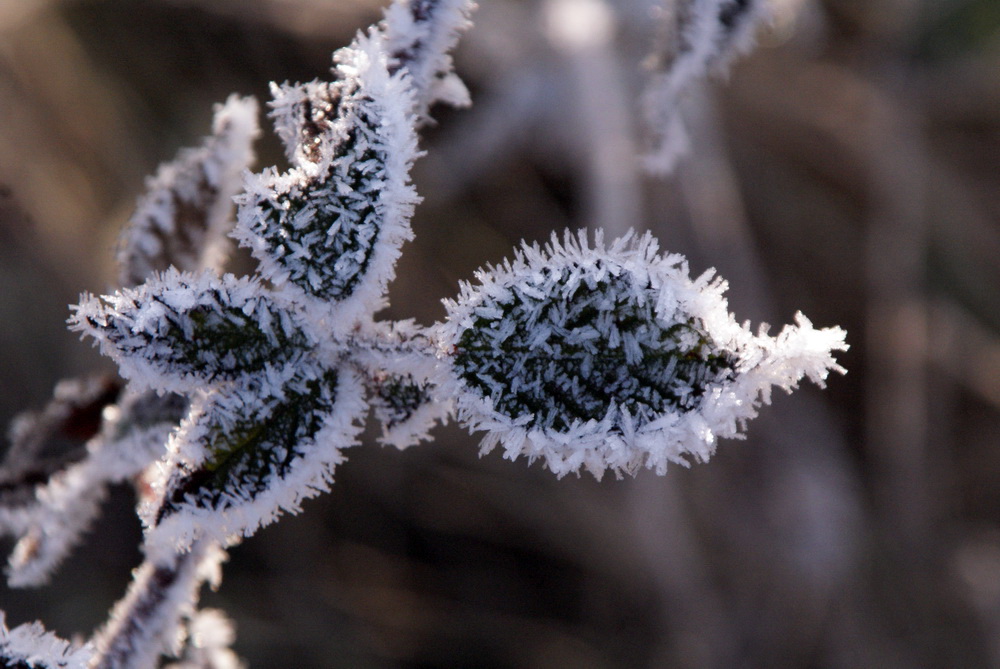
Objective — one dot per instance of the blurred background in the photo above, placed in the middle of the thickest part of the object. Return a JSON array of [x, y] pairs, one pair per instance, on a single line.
[[849, 167]]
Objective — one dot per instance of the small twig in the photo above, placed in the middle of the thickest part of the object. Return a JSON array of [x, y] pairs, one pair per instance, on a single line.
[[145, 621]]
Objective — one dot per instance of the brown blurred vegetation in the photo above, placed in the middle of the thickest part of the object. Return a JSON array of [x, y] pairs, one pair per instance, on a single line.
[[850, 168]]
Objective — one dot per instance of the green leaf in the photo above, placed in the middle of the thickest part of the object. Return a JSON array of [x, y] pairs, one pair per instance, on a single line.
[[249, 451], [321, 230], [331, 227], [179, 330], [248, 457], [560, 349]]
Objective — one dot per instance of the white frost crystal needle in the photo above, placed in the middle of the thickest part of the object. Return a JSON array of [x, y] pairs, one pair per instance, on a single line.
[[29, 646]]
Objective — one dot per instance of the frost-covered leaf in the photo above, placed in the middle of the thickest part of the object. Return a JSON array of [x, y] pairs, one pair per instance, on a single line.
[[54, 528], [405, 407], [179, 330], [699, 37], [133, 434], [129, 423], [249, 451], [613, 358], [399, 368], [44, 442], [182, 219], [420, 36], [332, 226], [397, 398], [29, 646], [209, 635]]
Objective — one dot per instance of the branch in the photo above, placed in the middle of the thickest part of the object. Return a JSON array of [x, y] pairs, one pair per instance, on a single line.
[[145, 623]]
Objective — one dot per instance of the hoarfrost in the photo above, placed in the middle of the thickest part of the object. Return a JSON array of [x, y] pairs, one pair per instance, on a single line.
[[641, 366], [700, 37], [29, 646], [178, 331], [244, 456], [182, 219], [329, 231]]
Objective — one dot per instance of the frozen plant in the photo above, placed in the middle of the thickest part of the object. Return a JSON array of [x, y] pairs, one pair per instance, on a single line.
[[698, 38], [243, 393]]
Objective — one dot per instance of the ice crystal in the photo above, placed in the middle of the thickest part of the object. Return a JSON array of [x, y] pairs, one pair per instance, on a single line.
[[29, 646], [44, 442], [399, 368], [210, 633], [405, 407]]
